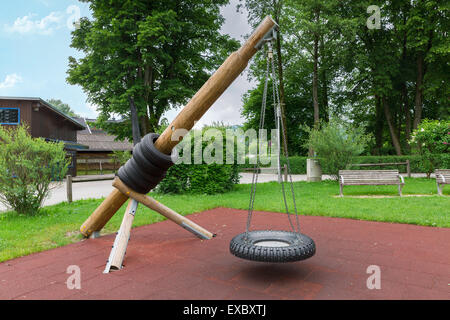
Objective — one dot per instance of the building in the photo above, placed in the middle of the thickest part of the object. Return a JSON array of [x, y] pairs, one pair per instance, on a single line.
[[44, 121], [101, 145]]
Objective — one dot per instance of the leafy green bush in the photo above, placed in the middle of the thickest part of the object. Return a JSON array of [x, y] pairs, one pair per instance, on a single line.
[[336, 145], [27, 168], [199, 178], [204, 177], [430, 138]]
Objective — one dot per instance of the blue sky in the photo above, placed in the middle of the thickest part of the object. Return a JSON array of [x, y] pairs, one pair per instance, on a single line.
[[35, 46]]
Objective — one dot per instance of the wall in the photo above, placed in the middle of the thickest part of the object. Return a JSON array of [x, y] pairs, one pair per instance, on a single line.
[[25, 110], [48, 124]]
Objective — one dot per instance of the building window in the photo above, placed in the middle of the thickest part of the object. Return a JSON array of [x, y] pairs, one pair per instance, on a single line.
[[10, 116]]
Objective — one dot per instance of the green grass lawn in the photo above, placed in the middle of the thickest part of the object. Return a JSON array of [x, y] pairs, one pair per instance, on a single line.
[[58, 225]]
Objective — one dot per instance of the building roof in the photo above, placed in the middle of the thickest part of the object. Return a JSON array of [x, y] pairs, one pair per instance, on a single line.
[[49, 106], [69, 145], [99, 140]]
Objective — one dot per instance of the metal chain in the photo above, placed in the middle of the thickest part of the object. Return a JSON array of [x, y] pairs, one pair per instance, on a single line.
[[256, 166], [278, 122], [277, 106]]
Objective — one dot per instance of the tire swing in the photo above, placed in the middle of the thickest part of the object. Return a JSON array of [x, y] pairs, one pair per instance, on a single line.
[[273, 245]]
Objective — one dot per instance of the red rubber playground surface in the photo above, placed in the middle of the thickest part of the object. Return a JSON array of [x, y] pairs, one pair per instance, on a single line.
[[166, 262]]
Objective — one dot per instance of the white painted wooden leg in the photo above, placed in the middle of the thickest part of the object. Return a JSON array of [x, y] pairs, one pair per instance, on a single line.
[[115, 260]]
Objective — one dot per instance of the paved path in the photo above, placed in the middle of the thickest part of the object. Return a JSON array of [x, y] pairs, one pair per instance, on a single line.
[[100, 189], [165, 262]]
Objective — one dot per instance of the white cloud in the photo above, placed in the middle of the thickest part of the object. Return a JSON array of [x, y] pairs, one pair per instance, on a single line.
[[45, 26], [10, 81]]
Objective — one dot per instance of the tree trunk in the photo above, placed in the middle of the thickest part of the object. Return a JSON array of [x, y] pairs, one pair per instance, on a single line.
[[281, 79], [407, 113], [394, 137], [324, 96], [421, 71], [323, 82], [134, 122], [315, 73], [418, 105], [379, 125], [315, 82], [404, 88], [145, 126]]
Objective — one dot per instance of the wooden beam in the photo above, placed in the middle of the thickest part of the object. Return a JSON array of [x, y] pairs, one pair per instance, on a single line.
[[214, 87], [115, 260], [69, 188], [163, 210], [191, 113], [103, 213]]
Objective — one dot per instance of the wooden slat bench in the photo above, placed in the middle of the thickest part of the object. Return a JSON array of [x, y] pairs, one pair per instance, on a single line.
[[370, 177], [442, 177]]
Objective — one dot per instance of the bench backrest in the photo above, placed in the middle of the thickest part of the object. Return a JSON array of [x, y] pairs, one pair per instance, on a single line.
[[442, 172], [369, 176]]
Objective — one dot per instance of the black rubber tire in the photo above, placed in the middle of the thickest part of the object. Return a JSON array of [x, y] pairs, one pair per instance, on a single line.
[[153, 155], [300, 247], [128, 174], [136, 173], [147, 167], [144, 164]]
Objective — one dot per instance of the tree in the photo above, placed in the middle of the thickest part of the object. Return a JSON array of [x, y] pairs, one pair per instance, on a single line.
[[143, 58], [258, 10], [386, 79], [394, 61], [431, 137], [337, 145], [63, 107], [297, 102], [316, 32]]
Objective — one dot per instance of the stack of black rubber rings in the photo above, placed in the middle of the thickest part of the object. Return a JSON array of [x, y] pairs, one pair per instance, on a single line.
[[147, 167]]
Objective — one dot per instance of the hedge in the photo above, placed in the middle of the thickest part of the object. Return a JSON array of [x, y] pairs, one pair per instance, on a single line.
[[442, 161], [199, 178], [215, 178], [298, 164]]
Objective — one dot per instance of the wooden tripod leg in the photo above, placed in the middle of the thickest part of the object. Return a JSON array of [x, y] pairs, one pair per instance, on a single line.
[[103, 213], [115, 260], [163, 210]]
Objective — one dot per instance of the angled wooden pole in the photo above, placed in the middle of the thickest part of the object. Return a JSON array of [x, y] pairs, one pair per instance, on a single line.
[[163, 210], [192, 112], [103, 213]]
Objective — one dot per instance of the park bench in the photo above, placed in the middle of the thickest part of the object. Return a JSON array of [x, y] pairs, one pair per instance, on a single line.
[[370, 177], [442, 177]]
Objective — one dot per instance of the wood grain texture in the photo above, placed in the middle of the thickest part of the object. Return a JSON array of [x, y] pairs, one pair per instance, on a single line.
[[123, 236], [103, 213], [159, 207], [186, 119], [214, 87], [369, 178]]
